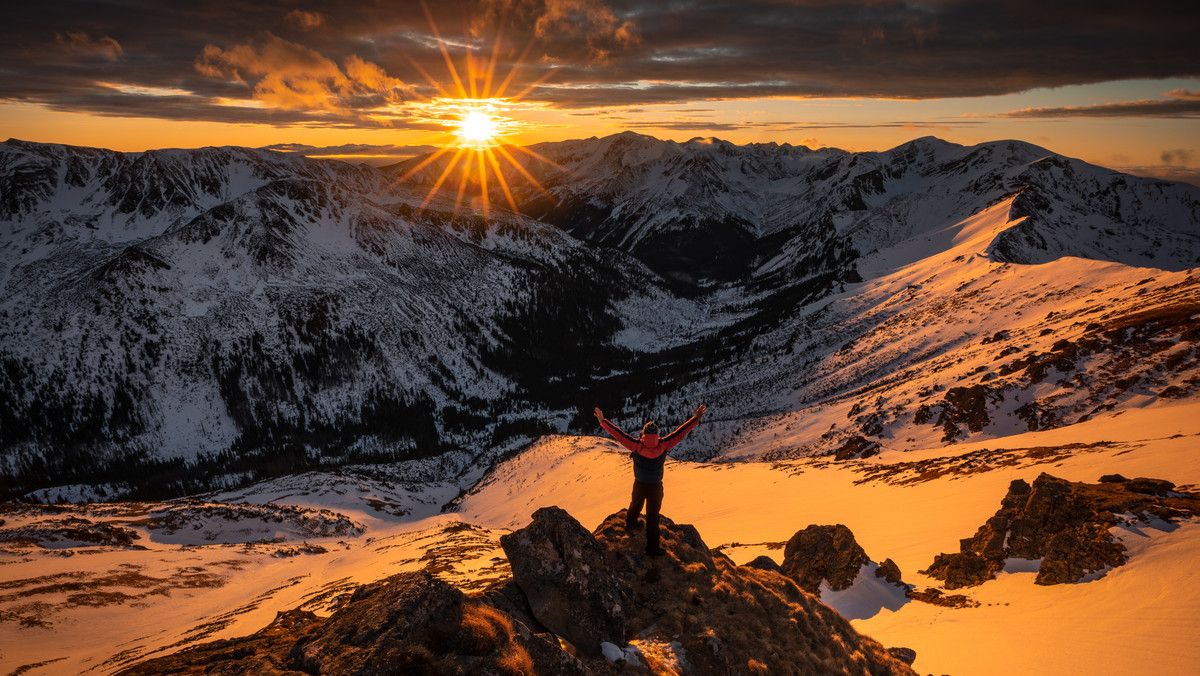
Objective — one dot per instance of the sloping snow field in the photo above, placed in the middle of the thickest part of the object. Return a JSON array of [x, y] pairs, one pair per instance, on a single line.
[[95, 609], [1148, 609]]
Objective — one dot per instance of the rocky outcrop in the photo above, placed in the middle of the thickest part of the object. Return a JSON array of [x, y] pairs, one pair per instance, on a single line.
[[857, 446], [823, 553], [578, 603], [1065, 524], [557, 564], [889, 571], [694, 611], [410, 623]]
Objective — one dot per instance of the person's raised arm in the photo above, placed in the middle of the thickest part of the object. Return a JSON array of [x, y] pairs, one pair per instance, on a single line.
[[682, 431], [616, 432]]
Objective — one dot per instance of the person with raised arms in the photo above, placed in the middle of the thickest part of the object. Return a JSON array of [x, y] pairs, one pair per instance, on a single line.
[[649, 453]]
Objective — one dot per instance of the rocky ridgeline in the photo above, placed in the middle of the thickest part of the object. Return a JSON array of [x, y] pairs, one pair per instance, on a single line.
[[577, 603], [125, 525], [1063, 523]]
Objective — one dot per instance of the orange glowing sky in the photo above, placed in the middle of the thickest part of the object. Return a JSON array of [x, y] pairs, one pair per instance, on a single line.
[[378, 82]]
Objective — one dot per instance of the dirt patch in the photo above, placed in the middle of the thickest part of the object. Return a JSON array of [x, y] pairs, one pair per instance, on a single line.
[[36, 665], [935, 597], [976, 462], [29, 602]]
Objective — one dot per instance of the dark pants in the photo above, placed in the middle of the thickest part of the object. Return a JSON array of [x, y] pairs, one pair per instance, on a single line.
[[652, 495]]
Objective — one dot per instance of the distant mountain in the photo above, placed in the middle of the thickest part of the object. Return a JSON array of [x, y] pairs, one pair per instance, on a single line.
[[709, 209], [178, 320]]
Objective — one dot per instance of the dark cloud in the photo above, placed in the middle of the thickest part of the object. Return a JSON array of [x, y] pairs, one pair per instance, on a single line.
[[102, 47], [305, 21], [1185, 108], [355, 153], [351, 149], [343, 62], [1178, 156], [1167, 172], [786, 126]]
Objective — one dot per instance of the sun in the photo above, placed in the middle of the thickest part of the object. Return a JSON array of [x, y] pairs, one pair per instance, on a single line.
[[474, 111], [477, 128]]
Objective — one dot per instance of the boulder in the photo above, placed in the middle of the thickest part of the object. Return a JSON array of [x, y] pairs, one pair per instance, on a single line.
[[559, 566], [905, 655], [1159, 487], [889, 571], [823, 553], [765, 562]]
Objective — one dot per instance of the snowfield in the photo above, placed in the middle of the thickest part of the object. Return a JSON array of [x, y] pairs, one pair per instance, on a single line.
[[140, 602]]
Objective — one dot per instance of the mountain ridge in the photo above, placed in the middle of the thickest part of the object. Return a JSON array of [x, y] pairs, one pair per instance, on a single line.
[[203, 318]]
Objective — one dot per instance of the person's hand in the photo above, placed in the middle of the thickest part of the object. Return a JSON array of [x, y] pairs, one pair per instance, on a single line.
[[599, 414], [700, 411]]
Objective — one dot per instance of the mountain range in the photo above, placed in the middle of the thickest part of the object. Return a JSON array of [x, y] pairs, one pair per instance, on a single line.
[[184, 320]]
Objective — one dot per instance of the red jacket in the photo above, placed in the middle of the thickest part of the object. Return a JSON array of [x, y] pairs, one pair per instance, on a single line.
[[649, 447]]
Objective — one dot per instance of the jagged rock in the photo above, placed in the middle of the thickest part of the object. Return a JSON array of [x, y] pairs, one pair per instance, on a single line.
[[1064, 524], [1113, 479], [889, 571], [410, 623], [556, 562], [765, 562], [823, 553]]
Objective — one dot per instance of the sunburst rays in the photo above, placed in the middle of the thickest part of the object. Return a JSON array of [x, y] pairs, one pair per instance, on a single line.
[[474, 109]]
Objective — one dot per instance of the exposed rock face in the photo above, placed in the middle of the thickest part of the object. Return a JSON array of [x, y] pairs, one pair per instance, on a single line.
[[717, 617], [823, 553], [558, 564], [410, 623], [1063, 523]]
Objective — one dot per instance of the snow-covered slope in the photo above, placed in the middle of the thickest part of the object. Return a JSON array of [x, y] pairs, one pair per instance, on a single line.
[[181, 319], [176, 321], [158, 592]]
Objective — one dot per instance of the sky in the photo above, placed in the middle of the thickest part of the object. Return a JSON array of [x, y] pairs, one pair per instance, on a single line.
[[1116, 84]]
